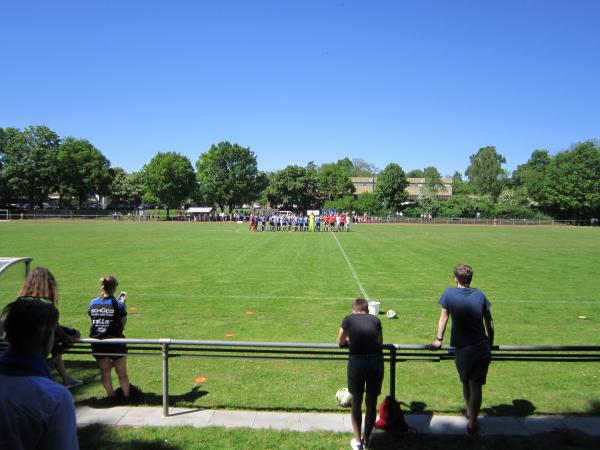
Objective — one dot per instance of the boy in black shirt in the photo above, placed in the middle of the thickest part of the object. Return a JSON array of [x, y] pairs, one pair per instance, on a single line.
[[362, 332]]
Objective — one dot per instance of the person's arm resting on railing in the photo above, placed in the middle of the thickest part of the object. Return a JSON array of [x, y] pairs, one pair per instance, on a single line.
[[437, 343], [342, 338]]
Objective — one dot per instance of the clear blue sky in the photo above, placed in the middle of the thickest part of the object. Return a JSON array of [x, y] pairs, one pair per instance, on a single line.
[[414, 82]]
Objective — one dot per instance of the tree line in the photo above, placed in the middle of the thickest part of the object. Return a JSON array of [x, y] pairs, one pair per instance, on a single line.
[[35, 162]]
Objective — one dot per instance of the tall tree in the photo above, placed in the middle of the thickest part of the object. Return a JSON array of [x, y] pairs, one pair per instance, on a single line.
[[530, 176], [28, 161], [294, 186], [362, 168], [169, 177], [391, 187], [415, 173], [485, 172], [334, 180], [458, 185], [433, 178], [81, 170], [4, 192], [227, 175], [126, 188], [571, 186]]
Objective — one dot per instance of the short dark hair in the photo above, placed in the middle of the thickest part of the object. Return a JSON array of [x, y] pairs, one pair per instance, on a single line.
[[464, 274], [360, 304], [29, 323]]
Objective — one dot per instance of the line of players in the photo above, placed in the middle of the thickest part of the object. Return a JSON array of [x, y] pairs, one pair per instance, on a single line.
[[289, 222]]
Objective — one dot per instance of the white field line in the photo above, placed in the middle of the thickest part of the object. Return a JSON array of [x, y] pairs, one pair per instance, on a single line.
[[358, 283]]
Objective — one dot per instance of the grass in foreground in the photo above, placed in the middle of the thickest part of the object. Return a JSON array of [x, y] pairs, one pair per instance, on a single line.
[[100, 437], [206, 281]]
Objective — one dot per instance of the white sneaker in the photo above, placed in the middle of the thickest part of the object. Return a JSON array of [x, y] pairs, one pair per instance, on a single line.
[[356, 445]]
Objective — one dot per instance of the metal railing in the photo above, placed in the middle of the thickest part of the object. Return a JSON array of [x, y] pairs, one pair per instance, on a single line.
[[393, 353]]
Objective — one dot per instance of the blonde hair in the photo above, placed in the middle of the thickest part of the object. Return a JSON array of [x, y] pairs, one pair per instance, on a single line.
[[40, 283], [109, 284]]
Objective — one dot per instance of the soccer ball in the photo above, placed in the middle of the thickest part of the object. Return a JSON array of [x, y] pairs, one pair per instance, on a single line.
[[391, 314], [343, 397]]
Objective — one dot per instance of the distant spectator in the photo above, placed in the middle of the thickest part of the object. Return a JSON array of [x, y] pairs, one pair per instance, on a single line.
[[41, 285], [362, 332], [35, 412], [470, 311], [109, 317]]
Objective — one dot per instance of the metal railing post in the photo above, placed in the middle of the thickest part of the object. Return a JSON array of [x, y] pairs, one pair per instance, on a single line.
[[393, 371], [165, 375]]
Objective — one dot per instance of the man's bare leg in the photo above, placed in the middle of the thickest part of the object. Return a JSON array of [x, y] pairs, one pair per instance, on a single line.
[[356, 415]]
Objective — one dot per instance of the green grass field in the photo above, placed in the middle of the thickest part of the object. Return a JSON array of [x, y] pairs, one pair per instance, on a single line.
[[198, 281]]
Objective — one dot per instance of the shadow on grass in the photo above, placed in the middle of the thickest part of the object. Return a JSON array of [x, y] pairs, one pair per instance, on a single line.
[[546, 441], [519, 407], [97, 437], [148, 399], [594, 407]]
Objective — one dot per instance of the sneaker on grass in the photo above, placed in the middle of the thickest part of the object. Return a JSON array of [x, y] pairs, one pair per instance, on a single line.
[[356, 445]]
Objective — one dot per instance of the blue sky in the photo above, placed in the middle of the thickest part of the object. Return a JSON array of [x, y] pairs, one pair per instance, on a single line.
[[418, 83]]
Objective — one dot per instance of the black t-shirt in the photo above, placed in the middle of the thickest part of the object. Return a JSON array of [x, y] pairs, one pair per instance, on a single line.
[[363, 331]]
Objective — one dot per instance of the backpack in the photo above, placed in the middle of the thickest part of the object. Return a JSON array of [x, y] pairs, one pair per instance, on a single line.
[[391, 417]]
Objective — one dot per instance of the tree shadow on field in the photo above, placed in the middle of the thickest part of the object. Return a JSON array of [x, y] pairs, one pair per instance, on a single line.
[[519, 407], [95, 437], [148, 399]]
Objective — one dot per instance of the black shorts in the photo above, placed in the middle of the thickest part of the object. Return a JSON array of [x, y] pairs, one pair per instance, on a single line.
[[109, 348], [472, 363], [365, 370]]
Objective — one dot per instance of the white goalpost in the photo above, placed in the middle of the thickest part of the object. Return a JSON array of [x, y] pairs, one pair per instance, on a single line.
[[4, 215]]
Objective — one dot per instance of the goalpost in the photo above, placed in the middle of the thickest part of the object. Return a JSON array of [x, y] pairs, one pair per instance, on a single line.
[[4, 215]]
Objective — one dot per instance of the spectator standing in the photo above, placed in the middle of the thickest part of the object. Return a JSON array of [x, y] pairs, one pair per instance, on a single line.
[[109, 316], [470, 311], [35, 412], [363, 334]]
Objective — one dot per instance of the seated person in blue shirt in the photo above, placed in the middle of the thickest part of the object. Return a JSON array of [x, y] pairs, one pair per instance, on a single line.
[[35, 412]]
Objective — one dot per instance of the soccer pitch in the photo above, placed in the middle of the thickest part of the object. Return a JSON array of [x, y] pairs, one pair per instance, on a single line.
[[211, 281]]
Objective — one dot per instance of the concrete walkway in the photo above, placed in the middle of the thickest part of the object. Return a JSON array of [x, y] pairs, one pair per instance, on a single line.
[[426, 424]]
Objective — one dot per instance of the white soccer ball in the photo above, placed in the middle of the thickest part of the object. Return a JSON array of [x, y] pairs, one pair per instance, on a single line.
[[391, 314], [343, 397]]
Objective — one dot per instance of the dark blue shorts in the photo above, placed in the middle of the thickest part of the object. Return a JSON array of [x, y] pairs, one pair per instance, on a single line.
[[472, 363], [365, 371]]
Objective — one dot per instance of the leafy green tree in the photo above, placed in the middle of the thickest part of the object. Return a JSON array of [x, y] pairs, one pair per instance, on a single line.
[[227, 175], [362, 168], [391, 186], [433, 179], [529, 177], [294, 186], [4, 191], [485, 172], [334, 180], [29, 161], [169, 177], [81, 170], [571, 185], [458, 185], [415, 173], [127, 188]]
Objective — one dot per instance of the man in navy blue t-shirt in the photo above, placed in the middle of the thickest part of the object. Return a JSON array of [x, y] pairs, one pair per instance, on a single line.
[[470, 311], [362, 332]]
